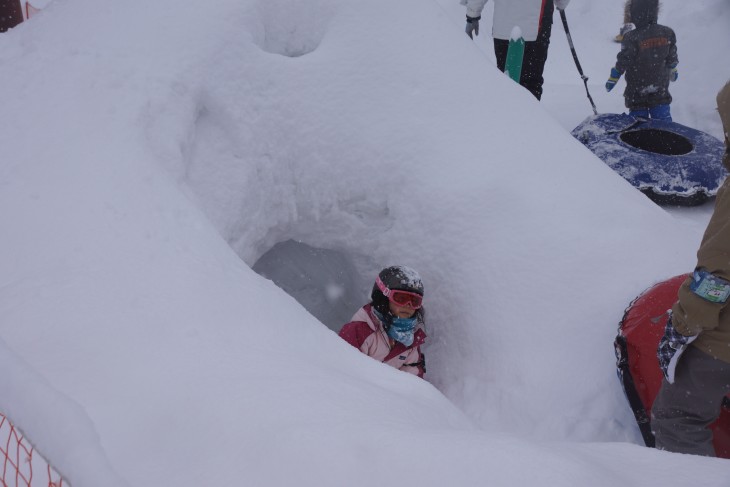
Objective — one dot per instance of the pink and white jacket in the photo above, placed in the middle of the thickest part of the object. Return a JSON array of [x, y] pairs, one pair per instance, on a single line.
[[366, 333]]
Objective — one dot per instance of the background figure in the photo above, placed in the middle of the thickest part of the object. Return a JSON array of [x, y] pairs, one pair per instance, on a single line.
[[11, 14], [535, 20], [649, 58], [390, 328], [627, 25], [689, 400]]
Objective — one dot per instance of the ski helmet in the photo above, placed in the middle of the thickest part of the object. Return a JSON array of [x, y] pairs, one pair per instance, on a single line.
[[397, 277], [644, 12]]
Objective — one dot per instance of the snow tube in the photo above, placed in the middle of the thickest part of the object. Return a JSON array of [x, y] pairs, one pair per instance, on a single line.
[[640, 330], [671, 163]]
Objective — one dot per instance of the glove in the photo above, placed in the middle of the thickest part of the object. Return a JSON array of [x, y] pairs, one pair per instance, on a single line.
[[561, 4], [613, 79], [673, 75], [472, 25], [671, 347]]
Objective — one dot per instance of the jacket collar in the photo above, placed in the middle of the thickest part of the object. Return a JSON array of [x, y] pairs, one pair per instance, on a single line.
[[367, 315]]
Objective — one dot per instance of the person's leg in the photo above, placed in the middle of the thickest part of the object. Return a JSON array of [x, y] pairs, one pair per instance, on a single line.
[[500, 52], [11, 14], [661, 112], [639, 112], [533, 65], [683, 411]]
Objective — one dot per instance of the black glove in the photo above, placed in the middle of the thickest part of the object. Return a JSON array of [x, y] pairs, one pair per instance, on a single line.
[[472, 25]]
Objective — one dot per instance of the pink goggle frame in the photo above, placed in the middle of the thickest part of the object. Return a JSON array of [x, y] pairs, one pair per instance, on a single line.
[[401, 298]]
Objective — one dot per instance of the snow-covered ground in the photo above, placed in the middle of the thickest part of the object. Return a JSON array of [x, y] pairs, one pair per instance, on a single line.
[[156, 153]]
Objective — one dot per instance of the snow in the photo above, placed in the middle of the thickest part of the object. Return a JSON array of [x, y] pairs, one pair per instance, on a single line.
[[155, 153]]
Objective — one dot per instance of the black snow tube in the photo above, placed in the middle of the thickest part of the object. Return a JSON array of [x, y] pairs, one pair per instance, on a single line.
[[671, 163]]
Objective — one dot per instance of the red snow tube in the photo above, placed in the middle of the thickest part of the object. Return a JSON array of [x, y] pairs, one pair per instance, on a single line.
[[638, 367]]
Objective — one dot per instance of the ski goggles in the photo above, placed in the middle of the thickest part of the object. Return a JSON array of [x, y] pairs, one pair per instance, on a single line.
[[401, 298]]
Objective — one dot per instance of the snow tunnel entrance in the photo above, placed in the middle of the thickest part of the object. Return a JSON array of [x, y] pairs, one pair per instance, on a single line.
[[326, 282], [658, 141]]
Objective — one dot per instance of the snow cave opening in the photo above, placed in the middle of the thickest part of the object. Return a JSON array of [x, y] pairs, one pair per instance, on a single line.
[[658, 141], [328, 283]]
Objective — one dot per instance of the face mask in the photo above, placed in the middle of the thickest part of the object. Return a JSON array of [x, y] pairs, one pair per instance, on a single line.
[[401, 330]]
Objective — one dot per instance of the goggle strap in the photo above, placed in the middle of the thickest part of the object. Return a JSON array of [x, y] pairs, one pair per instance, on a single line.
[[383, 288]]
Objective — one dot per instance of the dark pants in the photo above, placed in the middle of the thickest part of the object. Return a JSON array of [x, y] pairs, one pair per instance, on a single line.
[[683, 411], [536, 53], [11, 14]]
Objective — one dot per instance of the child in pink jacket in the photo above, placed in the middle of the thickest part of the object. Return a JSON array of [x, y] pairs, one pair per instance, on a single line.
[[390, 328]]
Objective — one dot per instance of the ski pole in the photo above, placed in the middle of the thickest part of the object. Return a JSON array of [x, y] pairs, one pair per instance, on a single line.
[[575, 58]]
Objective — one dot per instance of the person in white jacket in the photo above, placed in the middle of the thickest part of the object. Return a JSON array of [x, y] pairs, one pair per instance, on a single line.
[[535, 20]]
